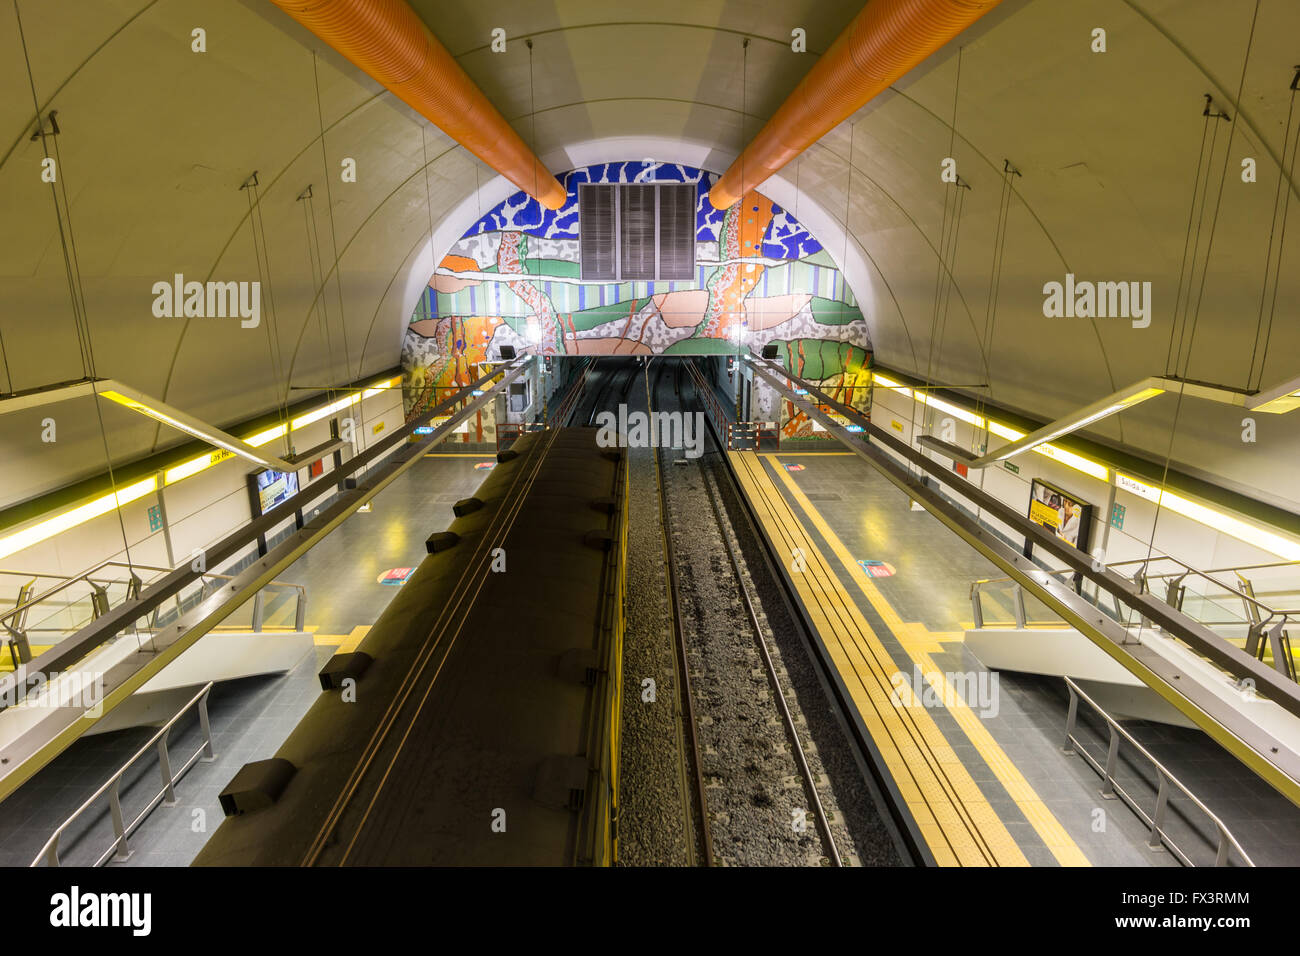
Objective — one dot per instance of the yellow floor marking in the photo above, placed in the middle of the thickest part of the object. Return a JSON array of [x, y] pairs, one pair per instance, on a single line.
[[266, 629], [458, 454], [953, 816], [1030, 625], [805, 454], [1049, 829], [353, 639]]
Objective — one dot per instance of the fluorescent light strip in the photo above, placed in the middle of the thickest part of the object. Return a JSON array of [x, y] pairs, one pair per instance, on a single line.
[[1212, 518], [338, 406], [1217, 520], [166, 419], [1067, 458], [70, 519], [67, 520], [382, 387]]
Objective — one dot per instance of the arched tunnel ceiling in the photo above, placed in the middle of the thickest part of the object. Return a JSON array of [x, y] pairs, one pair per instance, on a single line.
[[156, 139]]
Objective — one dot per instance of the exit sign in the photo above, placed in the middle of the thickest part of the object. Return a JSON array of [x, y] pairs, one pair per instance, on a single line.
[[1014, 469]]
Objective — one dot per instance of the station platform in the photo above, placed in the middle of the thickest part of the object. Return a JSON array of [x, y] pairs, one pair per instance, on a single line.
[[253, 716], [975, 756]]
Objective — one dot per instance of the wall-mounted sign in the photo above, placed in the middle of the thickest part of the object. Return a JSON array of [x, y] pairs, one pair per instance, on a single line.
[[1117, 516], [378, 427], [1128, 484], [896, 425], [961, 469], [1014, 469], [155, 518]]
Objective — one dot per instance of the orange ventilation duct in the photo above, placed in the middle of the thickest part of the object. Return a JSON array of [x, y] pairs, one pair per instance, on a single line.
[[387, 40], [884, 41]]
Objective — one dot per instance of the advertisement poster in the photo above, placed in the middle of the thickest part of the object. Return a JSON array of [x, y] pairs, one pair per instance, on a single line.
[[1061, 513]]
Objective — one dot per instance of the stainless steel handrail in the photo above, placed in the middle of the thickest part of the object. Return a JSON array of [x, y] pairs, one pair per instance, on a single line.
[[68, 581], [119, 850], [1144, 578], [1110, 789]]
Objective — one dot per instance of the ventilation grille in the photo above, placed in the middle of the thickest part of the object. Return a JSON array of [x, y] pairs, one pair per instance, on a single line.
[[637, 231], [677, 232], [596, 231]]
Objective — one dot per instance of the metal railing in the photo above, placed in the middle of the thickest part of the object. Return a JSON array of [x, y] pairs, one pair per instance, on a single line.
[[1262, 628], [167, 795], [704, 391], [75, 610], [19, 633], [1111, 789], [560, 416]]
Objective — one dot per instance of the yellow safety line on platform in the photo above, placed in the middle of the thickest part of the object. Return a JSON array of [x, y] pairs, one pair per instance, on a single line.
[[458, 454], [807, 454], [954, 817], [1044, 822], [343, 643]]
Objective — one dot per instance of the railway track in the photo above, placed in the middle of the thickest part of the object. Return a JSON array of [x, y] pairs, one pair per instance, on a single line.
[[754, 785], [695, 811]]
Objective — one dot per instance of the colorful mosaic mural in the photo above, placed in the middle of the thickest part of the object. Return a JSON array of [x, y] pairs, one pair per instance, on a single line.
[[514, 278]]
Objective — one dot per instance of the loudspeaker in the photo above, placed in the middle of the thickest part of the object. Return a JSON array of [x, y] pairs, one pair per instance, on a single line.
[[507, 353], [769, 352], [340, 667], [257, 786]]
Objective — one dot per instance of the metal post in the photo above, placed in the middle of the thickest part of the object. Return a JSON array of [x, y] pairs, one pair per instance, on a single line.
[[1019, 606], [259, 603], [1070, 719], [119, 827], [1158, 818], [976, 606], [165, 765], [1112, 756], [52, 854], [208, 752], [1221, 858], [300, 611]]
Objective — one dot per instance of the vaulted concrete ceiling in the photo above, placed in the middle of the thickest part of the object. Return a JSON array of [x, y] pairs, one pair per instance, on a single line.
[[156, 140]]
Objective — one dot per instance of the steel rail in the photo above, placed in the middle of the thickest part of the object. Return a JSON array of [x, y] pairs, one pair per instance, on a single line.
[[778, 692], [688, 721], [911, 848]]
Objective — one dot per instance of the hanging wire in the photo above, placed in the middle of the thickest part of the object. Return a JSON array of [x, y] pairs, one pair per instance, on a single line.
[[1191, 249], [334, 239], [261, 255], [72, 269], [1195, 315], [69, 269], [318, 281], [1285, 202]]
